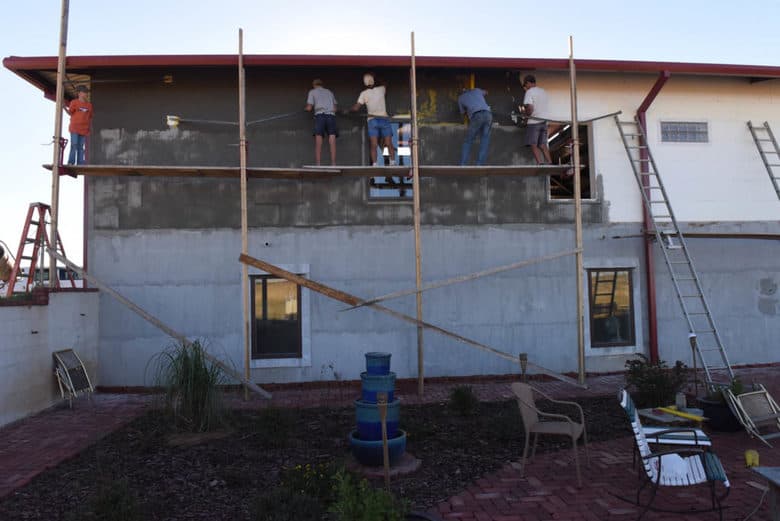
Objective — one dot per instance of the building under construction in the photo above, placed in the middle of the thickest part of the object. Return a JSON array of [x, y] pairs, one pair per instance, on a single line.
[[692, 258]]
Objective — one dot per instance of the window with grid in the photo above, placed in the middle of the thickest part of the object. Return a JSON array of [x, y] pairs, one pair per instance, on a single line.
[[276, 318], [611, 307], [684, 132]]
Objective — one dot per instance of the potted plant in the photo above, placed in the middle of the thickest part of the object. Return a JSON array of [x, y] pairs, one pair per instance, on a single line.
[[717, 410], [654, 384]]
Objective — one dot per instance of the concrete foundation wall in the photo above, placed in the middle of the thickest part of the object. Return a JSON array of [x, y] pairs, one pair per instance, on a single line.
[[28, 337], [191, 280]]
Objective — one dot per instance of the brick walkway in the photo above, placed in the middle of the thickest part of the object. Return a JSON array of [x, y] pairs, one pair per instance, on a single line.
[[548, 490]]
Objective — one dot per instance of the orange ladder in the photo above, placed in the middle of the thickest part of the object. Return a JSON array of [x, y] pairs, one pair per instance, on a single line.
[[36, 218]]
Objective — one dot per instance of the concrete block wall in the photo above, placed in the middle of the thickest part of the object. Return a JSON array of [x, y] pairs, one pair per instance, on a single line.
[[28, 337]]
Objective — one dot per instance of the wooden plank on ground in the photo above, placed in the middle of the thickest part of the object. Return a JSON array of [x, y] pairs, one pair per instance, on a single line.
[[352, 300]]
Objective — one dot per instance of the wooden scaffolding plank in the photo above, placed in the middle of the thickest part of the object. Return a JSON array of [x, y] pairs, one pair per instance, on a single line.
[[309, 172]]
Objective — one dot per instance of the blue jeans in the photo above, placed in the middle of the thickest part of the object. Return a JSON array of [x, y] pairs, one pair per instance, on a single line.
[[479, 125], [77, 144]]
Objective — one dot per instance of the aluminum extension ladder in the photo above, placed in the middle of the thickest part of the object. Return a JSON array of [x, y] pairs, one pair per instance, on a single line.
[[686, 282], [771, 158], [34, 234]]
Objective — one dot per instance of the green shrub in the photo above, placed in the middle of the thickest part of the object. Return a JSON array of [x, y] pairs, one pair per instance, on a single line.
[[281, 504], [115, 502], [359, 501], [463, 400], [654, 384], [317, 481], [191, 386]]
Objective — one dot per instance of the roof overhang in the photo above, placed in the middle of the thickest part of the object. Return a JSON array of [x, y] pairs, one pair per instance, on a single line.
[[41, 71]]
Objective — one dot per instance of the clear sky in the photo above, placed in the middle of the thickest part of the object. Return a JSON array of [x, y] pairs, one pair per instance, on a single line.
[[712, 31]]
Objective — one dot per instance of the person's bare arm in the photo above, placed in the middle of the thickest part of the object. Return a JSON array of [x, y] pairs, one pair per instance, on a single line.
[[308, 107]]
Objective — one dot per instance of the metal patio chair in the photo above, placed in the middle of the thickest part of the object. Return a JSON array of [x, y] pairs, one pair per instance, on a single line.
[[681, 467], [757, 411], [71, 375], [537, 422]]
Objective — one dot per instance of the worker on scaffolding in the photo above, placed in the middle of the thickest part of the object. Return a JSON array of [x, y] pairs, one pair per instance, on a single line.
[[80, 112], [535, 104], [472, 103], [323, 103], [373, 97]]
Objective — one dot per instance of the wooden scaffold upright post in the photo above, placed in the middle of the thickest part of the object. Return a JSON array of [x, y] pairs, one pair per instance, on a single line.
[[55, 171], [417, 245], [575, 144], [244, 223]]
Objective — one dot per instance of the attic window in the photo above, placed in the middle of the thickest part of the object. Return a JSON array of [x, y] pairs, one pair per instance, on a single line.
[[684, 132]]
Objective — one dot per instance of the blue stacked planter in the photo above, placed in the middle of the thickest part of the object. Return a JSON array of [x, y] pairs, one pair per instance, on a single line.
[[366, 440]]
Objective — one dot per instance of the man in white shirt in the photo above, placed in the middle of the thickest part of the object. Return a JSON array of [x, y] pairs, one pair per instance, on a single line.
[[373, 97], [535, 104]]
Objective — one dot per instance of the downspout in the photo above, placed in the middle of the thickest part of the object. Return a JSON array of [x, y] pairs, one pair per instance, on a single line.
[[652, 317]]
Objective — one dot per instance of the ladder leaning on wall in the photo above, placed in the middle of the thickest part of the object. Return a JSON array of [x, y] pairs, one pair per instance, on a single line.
[[686, 282], [769, 151]]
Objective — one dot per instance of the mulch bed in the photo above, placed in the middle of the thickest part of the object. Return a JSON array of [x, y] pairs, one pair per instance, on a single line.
[[218, 479]]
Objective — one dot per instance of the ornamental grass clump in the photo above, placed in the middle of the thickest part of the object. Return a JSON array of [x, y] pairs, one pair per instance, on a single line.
[[191, 384]]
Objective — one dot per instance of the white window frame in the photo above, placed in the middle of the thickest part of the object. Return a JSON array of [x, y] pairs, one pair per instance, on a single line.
[[618, 263], [305, 359]]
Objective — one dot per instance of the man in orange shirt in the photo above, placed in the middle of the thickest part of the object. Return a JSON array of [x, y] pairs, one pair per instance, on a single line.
[[80, 111]]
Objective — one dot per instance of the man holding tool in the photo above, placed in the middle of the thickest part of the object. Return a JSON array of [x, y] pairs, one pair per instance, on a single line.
[[535, 104], [323, 103]]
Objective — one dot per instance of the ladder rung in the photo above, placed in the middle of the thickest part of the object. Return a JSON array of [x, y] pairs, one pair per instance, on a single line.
[[698, 313], [26, 258], [691, 296], [36, 223]]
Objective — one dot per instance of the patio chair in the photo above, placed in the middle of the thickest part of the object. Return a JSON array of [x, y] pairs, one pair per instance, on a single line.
[[685, 436], [537, 422], [71, 375], [757, 411], [682, 467]]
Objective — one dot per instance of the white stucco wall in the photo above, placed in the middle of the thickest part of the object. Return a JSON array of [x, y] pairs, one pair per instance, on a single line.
[[28, 337], [719, 181]]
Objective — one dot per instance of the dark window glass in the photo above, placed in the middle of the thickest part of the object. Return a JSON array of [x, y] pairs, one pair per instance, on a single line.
[[276, 318], [611, 308]]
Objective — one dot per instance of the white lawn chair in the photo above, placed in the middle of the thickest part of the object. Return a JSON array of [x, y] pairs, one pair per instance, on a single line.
[[684, 466], [757, 411]]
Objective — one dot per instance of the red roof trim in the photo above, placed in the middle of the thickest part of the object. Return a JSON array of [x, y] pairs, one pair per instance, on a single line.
[[18, 64]]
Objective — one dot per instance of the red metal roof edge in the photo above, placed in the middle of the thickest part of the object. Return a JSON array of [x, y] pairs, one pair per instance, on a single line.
[[18, 64]]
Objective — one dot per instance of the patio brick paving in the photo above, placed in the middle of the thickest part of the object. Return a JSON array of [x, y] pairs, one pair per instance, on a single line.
[[548, 491]]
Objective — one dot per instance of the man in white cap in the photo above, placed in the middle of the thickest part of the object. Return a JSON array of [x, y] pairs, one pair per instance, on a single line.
[[373, 97]]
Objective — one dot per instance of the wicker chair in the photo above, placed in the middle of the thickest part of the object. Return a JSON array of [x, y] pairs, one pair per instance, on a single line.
[[537, 422]]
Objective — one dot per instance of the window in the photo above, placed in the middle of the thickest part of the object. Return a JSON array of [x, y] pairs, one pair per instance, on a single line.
[[684, 132], [276, 318], [561, 152], [611, 302], [392, 188]]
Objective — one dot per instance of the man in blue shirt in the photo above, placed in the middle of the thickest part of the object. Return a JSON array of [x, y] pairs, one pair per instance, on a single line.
[[472, 102]]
